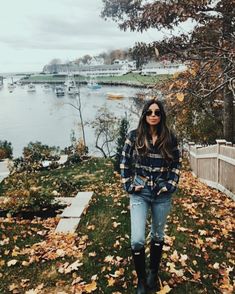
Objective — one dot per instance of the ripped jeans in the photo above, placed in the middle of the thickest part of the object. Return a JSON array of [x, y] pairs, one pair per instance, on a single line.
[[140, 203]]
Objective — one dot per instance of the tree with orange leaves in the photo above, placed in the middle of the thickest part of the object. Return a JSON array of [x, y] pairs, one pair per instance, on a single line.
[[208, 85]]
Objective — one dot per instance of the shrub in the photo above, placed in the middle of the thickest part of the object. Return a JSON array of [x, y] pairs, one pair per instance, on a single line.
[[65, 187], [33, 156], [37, 151], [77, 151], [124, 125], [6, 150], [32, 199]]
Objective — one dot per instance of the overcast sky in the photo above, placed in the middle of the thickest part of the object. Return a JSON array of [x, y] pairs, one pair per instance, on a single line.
[[33, 32]]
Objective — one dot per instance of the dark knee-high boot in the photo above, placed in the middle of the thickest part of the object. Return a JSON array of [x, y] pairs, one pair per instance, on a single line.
[[139, 262], [155, 258]]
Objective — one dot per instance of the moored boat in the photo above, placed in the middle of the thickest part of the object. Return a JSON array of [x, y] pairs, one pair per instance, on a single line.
[[11, 86], [93, 85], [59, 90], [71, 87], [1, 82], [31, 88], [115, 96], [46, 87]]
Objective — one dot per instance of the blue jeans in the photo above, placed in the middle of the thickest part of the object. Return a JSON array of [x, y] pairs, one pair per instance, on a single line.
[[140, 203]]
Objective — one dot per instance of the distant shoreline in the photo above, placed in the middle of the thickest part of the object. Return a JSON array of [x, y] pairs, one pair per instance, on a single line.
[[130, 80]]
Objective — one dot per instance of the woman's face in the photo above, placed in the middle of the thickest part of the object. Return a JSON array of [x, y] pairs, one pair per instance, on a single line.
[[153, 115]]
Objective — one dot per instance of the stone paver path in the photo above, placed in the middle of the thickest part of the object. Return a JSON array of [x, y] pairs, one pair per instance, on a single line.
[[72, 214]]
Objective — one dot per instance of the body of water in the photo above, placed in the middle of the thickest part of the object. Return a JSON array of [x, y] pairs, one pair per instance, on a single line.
[[42, 116]]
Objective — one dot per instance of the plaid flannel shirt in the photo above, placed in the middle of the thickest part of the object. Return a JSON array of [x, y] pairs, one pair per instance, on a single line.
[[152, 167]]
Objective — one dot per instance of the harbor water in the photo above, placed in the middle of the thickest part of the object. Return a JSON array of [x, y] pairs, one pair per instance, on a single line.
[[42, 116]]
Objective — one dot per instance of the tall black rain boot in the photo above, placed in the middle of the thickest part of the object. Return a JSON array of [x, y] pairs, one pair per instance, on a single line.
[[155, 258], [139, 262]]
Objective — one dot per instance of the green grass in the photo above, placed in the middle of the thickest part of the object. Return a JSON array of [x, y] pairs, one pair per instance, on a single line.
[[128, 79], [66, 181], [135, 78], [109, 205]]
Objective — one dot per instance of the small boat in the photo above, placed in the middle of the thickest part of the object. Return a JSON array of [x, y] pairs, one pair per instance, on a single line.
[[31, 88], [11, 86], [71, 87], [111, 96], [46, 87], [59, 90], [1, 82], [93, 85], [72, 90]]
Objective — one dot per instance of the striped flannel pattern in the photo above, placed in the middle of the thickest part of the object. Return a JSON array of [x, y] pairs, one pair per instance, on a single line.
[[158, 174]]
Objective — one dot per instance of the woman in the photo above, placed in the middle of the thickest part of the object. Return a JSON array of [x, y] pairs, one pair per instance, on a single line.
[[150, 166]]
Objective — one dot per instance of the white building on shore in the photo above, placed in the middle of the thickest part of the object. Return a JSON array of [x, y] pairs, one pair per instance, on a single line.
[[95, 68], [102, 70], [105, 70], [162, 68]]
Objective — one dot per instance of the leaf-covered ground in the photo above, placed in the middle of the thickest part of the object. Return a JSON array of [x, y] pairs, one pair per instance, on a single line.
[[198, 255]]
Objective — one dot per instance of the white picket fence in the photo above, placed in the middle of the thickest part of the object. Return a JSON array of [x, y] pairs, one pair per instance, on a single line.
[[215, 165]]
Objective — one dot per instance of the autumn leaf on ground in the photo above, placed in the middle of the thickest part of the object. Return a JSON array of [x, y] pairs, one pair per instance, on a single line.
[[12, 262], [108, 259], [77, 280], [118, 273], [164, 290], [37, 290], [197, 276], [111, 282], [174, 257], [73, 267], [179, 273], [91, 227], [4, 242], [183, 258], [115, 224], [13, 287], [180, 96], [89, 288]]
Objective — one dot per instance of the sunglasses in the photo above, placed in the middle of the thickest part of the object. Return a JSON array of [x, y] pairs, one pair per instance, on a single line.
[[155, 112]]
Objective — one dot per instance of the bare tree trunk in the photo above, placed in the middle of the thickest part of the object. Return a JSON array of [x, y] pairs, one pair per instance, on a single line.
[[79, 106], [98, 147]]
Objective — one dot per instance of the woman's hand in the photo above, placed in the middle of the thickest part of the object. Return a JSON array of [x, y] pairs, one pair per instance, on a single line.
[[162, 190], [138, 188]]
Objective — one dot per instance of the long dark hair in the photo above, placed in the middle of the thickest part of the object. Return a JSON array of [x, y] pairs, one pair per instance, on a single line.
[[164, 141]]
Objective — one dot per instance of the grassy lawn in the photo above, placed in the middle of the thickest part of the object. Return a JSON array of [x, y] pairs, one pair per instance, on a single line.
[[135, 78], [130, 78], [198, 256]]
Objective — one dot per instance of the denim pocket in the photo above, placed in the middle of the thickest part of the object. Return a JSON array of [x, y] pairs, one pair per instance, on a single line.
[[139, 181]]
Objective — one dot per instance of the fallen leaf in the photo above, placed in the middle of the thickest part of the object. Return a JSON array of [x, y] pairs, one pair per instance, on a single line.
[[111, 282], [89, 288], [174, 257], [216, 265], [12, 262], [180, 96], [115, 224], [164, 290]]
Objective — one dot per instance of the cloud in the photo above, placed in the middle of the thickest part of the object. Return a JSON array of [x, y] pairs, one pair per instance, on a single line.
[[65, 29]]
